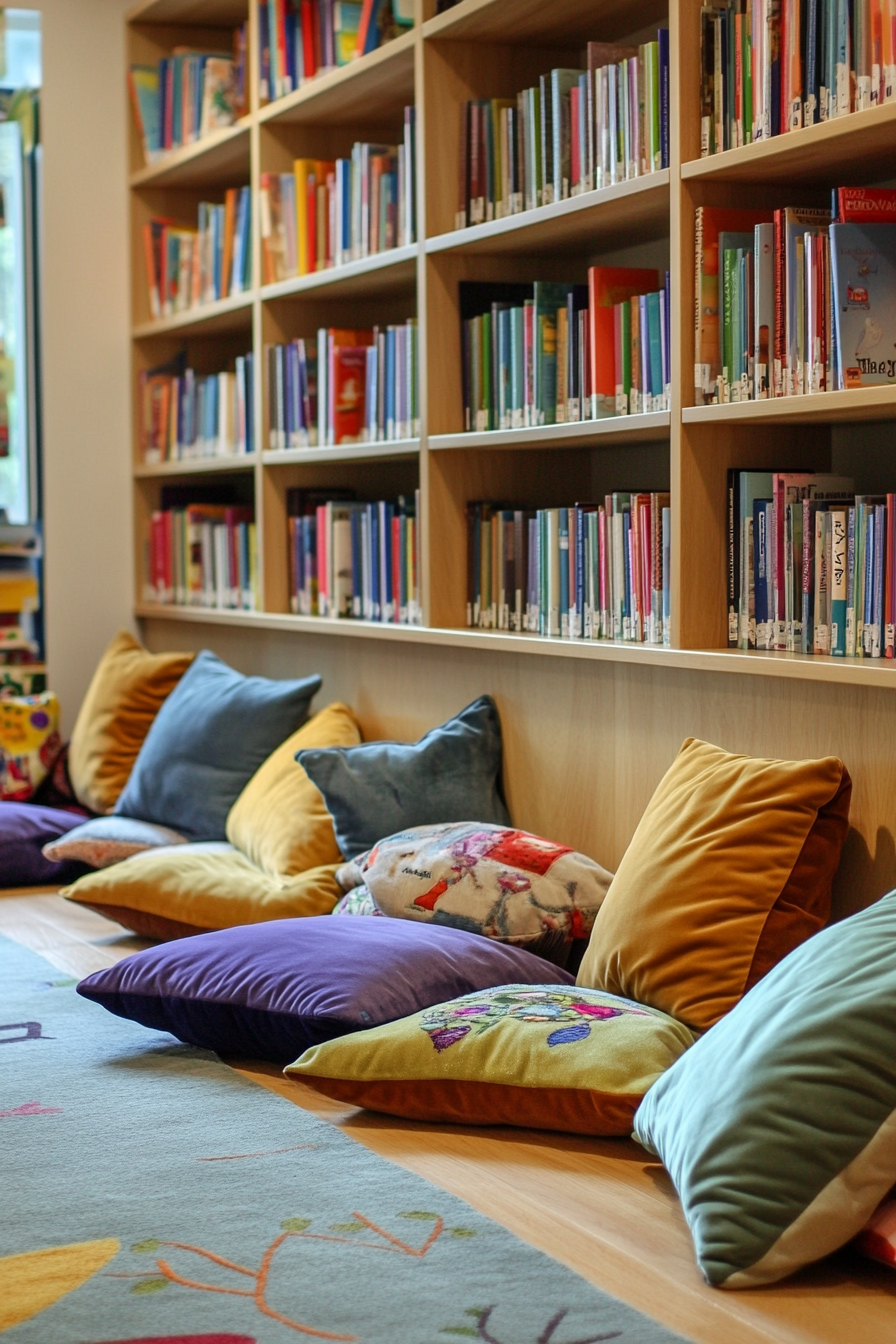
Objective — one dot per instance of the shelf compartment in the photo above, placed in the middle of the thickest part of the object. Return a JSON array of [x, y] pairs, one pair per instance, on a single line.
[[381, 273], [583, 433], [865, 403], [196, 466], [527, 22], [846, 150], [375, 86], [215, 160], [388, 451], [607, 218], [230, 314]]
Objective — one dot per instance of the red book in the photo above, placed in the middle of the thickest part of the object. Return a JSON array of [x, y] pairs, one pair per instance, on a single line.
[[607, 286], [776, 382], [349, 377], [308, 48], [866, 205], [574, 148], [282, 65]]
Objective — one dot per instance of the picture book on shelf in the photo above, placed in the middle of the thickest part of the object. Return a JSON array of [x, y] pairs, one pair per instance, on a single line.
[[188, 95], [863, 277]]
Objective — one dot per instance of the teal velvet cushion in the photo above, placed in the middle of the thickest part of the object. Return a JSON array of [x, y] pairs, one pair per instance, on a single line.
[[208, 739], [779, 1126], [378, 788]]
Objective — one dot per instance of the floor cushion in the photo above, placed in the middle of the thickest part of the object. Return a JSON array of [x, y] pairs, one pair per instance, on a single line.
[[543, 1056], [272, 990], [24, 830], [730, 868], [208, 739], [102, 841], [125, 694], [378, 788], [779, 1126], [29, 744], [280, 820], [172, 892], [492, 880]]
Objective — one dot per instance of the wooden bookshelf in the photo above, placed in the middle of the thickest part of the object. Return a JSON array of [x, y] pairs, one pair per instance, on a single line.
[[483, 48]]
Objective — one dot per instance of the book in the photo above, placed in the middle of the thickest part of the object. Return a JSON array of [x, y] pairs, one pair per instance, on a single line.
[[863, 279], [710, 222]]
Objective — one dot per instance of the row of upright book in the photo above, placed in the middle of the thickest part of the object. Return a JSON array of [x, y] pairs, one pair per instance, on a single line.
[[354, 560], [591, 571], [796, 301], [773, 66], [202, 555], [329, 212], [576, 130], [186, 266], [299, 39], [185, 415], [188, 95], [348, 386], [554, 353], [811, 565]]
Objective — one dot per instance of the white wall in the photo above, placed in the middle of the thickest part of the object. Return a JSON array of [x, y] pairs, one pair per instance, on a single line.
[[87, 497]]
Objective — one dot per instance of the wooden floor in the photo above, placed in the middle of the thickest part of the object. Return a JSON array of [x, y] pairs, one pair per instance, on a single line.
[[599, 1206]]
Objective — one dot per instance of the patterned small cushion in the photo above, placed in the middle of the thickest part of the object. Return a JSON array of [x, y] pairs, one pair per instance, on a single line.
[[877, 1238], [29, 743], [541, 1056], [106, 840], [356, 902], [503, 883]]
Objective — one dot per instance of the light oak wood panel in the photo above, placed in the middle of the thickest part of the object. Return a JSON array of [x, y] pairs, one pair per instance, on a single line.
[[196, 467], [213, 161], [382, 274], [208, 319], [587, 740], [653, 425], [602, 1207], [226, 13], [529, 22], [599, 219], [389, 450], [847, 407]]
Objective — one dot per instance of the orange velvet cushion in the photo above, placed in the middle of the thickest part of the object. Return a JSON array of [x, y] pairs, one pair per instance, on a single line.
[[730, 869]]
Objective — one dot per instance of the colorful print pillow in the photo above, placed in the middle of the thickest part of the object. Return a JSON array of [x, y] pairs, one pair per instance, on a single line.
[[29, 743], [358, 901], [493, 880], [103, 841], [877, 1238], [539, 1056]]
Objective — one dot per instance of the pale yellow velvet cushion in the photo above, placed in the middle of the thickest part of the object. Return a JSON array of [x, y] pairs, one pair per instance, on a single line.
[[730, 869], [127, 691], [280, 820], [165, 893]]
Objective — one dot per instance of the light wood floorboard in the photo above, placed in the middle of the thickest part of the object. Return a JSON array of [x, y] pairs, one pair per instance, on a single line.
[[600, 1206]]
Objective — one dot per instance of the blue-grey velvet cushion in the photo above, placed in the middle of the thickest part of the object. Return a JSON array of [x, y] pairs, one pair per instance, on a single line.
[[378, 788], [208, 739]]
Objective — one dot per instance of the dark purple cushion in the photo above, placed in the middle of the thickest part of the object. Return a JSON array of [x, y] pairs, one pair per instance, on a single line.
[[269, 991], [24, 830]]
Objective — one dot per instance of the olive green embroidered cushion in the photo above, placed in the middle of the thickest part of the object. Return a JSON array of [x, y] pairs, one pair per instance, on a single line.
[[541, 1056], [779, 1126]]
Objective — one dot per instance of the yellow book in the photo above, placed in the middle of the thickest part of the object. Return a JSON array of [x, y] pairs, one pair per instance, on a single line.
[[303, 170], [18, 591]]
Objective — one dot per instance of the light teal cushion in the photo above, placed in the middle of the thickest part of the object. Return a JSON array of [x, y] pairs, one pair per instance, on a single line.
[[779, 1126]]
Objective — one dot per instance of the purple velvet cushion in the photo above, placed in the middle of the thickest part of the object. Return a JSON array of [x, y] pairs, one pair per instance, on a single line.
[[24, 830], [270, 991]]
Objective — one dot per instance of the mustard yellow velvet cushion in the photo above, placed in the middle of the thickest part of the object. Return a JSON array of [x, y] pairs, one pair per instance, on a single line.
[[184, 889], [124, 697], [730, 869], [280, 820]]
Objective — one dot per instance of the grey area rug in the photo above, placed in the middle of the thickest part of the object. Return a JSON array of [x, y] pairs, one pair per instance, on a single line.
[[151, 1194]]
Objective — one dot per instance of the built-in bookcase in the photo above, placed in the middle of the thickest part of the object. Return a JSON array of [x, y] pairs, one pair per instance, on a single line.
[[491, 48]]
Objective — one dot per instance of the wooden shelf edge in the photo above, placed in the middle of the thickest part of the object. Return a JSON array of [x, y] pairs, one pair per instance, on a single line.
[[336, 80], [866, 403], [826, 144], [355, 452], [612, 429], [196, 466], [552, 217], [195, 317], [341, 275], [880, 673], [175, 160]]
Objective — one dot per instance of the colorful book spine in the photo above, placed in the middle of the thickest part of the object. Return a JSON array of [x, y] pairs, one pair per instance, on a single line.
[[188, 95], [187, 267], [185, 415], [202, 555]]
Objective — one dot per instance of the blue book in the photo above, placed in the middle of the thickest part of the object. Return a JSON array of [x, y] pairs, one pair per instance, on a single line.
[[760, 570], [863, 279], [577, 622], [663, 42], [563, 534], [877, 617], [654, 322], [375, 567]]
